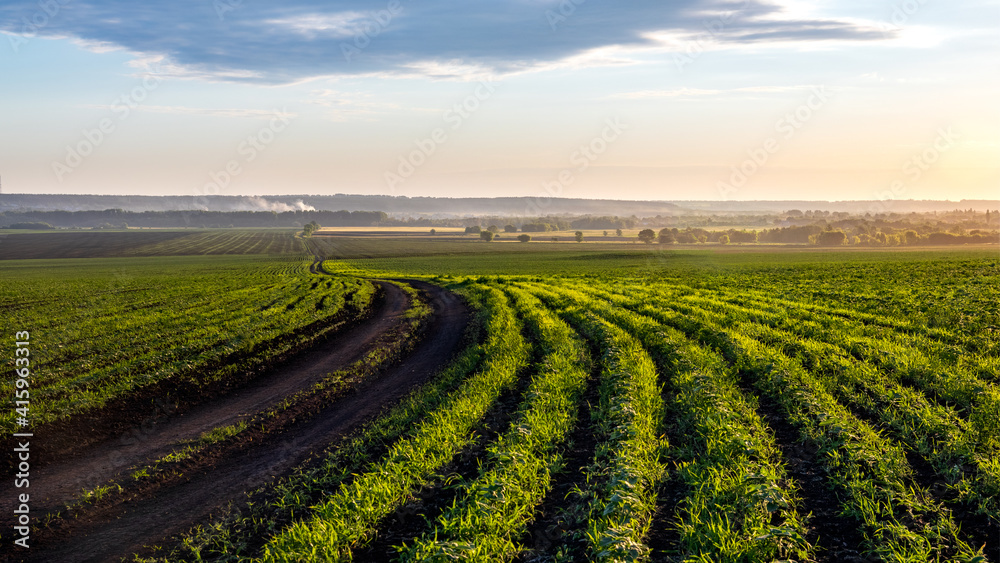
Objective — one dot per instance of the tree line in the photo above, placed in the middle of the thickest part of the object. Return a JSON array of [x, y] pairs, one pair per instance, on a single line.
[[816, 235]]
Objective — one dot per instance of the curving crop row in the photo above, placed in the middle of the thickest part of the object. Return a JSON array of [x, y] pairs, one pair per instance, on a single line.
[[347, 518], [740, 505], [626, 471], [949, 442], [871, 471], [485, 522]]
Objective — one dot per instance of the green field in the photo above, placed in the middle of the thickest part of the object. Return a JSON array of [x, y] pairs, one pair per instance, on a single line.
[[614, 402], [108, 327]]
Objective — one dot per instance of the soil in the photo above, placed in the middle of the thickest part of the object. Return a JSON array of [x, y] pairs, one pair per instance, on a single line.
[[838, 538]]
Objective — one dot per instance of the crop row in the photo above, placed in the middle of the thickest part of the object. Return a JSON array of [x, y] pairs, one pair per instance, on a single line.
[[944, 413], [137, 327], [347, 518], [485, 522], [228, 242], [739, 505], [901, 520]]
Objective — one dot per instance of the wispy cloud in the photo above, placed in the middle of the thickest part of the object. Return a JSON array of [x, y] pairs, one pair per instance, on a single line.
[[698, 93], [353, 106], [212, 112]]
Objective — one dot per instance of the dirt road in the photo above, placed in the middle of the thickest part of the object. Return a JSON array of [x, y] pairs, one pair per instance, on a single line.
[[108, 534]]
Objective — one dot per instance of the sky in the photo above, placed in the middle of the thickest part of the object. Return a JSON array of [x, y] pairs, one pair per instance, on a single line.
[[626, 99]]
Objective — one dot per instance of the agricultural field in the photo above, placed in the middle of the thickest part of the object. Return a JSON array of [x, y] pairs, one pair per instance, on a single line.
[[112, 327], [149, 242], [599, 405]]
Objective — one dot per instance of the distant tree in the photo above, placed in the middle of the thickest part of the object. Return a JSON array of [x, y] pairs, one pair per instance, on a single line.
[[790, 235], [666, 236], [524, 238], [555, 239], [579, 236], [605, 233], [911, 237], [434, 231], [509, 229], [493, 229], [742, 236], [473, 230], [309, 228], [831, 238], [618, 232], [647, 236], [486, 235], [724, 239], [686, 237]]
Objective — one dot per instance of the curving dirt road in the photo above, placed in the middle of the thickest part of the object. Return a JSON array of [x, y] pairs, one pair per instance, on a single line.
[[108, 534], [55, 484]]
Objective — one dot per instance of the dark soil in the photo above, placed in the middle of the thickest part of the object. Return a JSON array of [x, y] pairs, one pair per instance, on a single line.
[[81, 244], [554, 526], [838, 539]]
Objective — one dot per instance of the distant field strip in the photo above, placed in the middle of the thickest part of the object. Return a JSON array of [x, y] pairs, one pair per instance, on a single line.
[[228, 242], [97, 244]]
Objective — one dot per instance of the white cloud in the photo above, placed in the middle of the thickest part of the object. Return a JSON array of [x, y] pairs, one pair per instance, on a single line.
[[344, 24], [704, 93]]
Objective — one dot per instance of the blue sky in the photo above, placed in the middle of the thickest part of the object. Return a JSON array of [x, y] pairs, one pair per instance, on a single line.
[[577, 98]]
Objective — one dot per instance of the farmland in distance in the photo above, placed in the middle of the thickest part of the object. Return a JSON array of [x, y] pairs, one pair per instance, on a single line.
[[608, 402]]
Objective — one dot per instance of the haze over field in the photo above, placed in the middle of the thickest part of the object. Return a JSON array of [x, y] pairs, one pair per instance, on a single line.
[[684, 100]]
